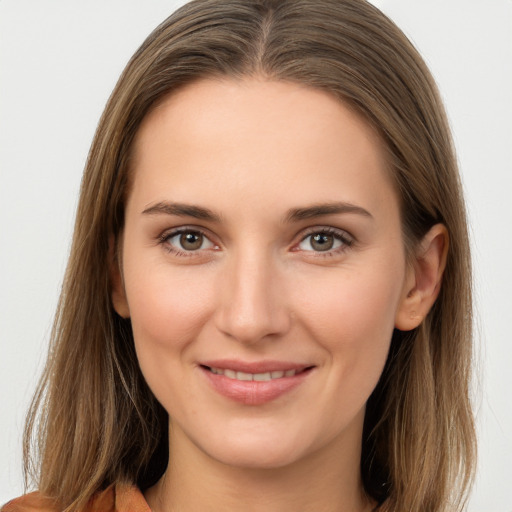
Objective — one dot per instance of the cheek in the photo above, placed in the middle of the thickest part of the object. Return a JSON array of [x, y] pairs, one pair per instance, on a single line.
[[168, 310], [166, 307], [348, 306], [354, 322]]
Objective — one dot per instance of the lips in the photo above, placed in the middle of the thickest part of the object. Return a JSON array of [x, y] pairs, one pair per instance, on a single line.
[[254, 383]]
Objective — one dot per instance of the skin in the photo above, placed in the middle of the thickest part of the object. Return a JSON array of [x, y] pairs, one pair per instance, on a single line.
[[257, 288]]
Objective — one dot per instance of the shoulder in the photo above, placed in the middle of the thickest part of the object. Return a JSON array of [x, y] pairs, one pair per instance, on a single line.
[[116, 498], [34, 501]]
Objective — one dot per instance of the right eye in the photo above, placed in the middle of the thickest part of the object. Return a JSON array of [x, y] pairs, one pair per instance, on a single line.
[[186, 241]]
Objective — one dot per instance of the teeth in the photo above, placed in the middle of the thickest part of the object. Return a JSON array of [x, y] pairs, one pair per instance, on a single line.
[[228, 373], [260, 377]]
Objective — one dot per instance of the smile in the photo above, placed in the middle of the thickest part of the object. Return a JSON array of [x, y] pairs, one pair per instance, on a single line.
[[260, 377], [254, 383]]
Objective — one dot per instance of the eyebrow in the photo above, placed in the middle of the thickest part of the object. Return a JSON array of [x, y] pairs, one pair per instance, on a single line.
[[182, 210], [319, 210], [293, 215]]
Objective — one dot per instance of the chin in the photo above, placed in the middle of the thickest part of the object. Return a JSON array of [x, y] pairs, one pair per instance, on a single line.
[[258, 448], [257, 457]]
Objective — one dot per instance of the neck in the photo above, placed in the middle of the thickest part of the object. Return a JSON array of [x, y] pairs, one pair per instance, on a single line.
[[327, 479]]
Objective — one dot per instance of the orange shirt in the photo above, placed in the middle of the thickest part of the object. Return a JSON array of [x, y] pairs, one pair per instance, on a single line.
[[115, 498]]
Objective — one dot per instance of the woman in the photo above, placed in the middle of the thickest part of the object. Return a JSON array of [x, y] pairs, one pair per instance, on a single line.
[[269, 281]]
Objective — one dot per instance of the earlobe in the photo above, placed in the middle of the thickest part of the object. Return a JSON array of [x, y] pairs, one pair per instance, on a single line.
[[423, 281], [118, 294]]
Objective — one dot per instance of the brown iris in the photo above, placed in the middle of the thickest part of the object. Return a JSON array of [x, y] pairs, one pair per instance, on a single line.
[[191, 241], [322, 242]]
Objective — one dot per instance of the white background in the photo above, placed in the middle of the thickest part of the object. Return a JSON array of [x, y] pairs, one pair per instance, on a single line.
[[59, 60]]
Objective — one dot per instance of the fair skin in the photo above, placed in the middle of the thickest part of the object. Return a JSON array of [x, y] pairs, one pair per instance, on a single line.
[[263, 236]]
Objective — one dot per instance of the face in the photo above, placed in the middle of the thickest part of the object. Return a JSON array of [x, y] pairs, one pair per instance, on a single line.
[[263, 268]]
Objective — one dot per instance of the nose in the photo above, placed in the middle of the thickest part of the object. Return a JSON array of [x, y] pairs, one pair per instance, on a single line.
[[252, 301]]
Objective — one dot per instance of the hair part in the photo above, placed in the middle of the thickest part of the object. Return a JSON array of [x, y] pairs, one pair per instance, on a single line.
[[94, 420]]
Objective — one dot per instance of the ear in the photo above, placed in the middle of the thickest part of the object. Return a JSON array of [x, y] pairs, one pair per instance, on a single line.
[[423, 281], [118, 294]]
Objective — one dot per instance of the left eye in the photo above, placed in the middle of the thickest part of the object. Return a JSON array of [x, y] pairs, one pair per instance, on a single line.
[[322, 242], [189, 241]]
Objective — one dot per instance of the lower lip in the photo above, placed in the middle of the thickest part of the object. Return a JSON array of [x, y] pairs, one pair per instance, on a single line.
[[254, 392]]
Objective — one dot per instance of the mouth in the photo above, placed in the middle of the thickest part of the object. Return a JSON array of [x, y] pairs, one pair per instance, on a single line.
[[254, 383], [258, 377]]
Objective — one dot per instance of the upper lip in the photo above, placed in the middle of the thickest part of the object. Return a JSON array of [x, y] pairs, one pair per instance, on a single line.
[[255, 366]]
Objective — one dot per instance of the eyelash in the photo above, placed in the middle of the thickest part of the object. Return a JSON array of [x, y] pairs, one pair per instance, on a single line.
[[339, 235], [168, 235]]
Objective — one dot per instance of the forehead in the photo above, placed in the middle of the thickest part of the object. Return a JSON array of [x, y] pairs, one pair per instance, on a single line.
[[255, 138]]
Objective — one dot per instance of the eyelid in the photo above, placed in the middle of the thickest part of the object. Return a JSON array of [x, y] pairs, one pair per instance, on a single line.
[[167, 234], [340, 234]]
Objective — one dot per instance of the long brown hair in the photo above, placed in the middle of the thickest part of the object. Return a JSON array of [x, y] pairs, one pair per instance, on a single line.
[[94, 421]]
